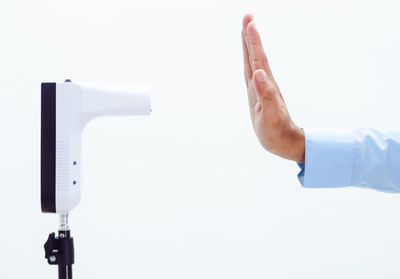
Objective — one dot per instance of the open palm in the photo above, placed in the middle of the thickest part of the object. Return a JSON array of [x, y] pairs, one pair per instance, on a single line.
[[271, 120]]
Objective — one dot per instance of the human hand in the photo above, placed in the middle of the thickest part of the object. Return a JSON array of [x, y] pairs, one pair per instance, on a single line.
[[274, 128]]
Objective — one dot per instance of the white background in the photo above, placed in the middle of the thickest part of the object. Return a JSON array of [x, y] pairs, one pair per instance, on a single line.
[[188, 192]]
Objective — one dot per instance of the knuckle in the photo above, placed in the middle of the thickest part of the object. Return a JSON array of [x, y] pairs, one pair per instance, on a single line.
[[258, 61], [268, 91]]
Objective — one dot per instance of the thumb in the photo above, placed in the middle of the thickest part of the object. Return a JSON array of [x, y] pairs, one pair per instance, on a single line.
[[266, 91]]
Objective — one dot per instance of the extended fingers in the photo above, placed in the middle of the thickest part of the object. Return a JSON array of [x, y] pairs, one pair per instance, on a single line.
[[257, 57], [247, 68]]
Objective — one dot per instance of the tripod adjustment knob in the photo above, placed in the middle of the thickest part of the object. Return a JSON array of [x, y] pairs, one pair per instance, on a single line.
[[59, 251]]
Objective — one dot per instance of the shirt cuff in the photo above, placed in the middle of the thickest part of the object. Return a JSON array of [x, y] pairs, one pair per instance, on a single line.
[[329, 158]]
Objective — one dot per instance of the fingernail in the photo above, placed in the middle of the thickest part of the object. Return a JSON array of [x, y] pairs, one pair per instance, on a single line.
[[260, 76]]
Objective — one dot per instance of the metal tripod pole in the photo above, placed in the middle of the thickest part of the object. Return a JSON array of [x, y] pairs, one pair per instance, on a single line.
[[64, 269], [60, 250]]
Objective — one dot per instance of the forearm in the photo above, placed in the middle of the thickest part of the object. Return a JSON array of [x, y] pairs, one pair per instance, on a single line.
[[362, 157]]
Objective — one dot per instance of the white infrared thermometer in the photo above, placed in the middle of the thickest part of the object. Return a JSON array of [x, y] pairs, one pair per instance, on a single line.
[[66, 108]]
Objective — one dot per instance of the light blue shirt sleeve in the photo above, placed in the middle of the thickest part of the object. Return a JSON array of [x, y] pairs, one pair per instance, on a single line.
[[362, 157]]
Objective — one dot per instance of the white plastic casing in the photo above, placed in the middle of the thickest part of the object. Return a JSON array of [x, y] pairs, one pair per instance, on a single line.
[[76, 105]]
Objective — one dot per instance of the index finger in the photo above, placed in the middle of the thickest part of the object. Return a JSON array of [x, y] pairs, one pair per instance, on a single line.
[[258, 59], [247, 68]]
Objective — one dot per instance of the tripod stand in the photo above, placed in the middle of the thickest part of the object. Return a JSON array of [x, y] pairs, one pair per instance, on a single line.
[[59, 250]]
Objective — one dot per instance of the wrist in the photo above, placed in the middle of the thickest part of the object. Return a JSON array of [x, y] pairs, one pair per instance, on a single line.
[[300, 146], [297, 145]]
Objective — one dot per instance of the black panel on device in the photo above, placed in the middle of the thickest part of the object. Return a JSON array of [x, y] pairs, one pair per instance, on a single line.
[[48, 148]]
